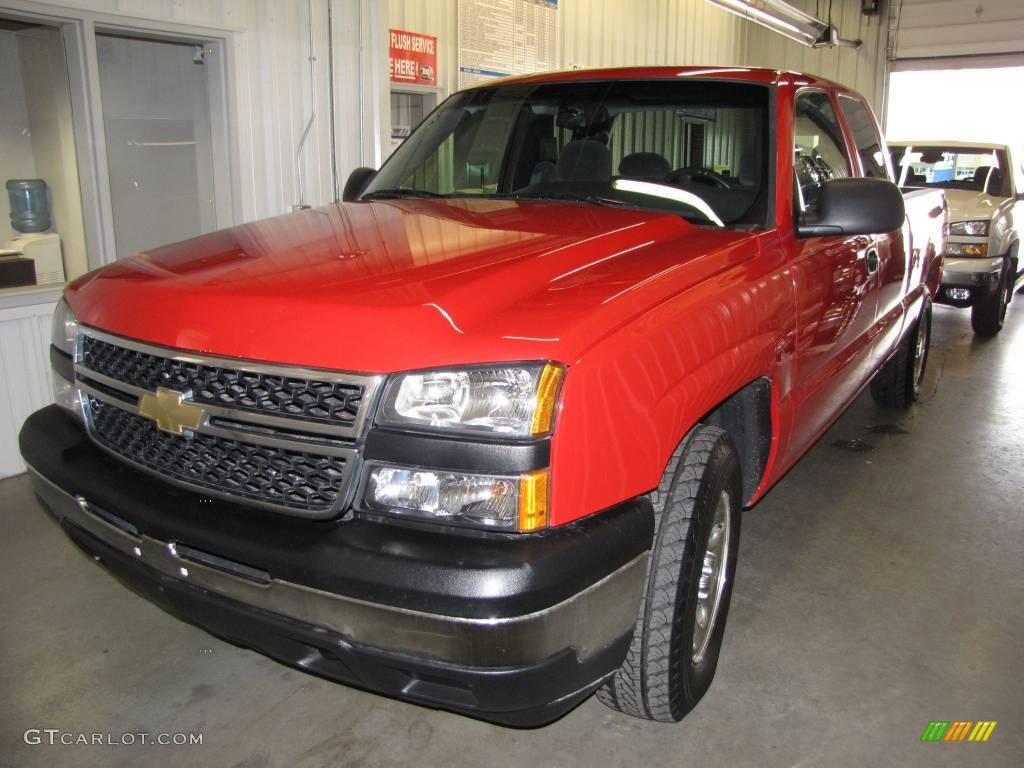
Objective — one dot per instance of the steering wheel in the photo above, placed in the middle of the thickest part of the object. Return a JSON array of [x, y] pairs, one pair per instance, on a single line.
[[699, 175]]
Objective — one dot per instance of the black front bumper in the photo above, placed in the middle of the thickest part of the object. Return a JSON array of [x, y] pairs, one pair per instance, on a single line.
[[516, 629]]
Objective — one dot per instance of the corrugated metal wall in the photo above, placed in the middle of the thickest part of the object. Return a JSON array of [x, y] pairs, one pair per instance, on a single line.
[[863, 69], [615, 33]]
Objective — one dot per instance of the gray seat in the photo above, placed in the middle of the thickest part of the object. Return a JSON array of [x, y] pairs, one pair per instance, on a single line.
[[645, 165], [585, 160]]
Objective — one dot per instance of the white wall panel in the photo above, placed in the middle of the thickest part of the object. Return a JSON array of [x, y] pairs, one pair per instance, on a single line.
[[24, 375]]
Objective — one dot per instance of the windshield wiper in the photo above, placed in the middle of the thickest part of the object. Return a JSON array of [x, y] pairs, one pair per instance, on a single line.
[[570, 197], [390, 194]]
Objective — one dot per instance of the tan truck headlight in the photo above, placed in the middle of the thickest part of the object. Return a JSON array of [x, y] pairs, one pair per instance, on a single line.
[[514, 400], [517, 503], [976, 228]]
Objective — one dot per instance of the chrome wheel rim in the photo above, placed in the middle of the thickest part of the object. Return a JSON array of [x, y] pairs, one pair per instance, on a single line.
[[920, 349], [714, 566]]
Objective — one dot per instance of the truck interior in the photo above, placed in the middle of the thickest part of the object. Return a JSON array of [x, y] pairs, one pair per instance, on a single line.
[[671, 146]]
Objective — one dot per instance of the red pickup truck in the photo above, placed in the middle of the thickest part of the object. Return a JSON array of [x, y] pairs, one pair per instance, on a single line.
[[480, 437]]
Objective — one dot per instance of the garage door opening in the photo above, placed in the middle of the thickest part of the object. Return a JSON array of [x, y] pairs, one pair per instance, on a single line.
[[981, 105]]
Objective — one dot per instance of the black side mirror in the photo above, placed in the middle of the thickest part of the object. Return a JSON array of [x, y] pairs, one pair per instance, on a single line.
[[855, 207], [357, 182]]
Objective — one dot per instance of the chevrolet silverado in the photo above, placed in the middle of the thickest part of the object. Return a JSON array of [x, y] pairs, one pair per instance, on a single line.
[[481, 435]]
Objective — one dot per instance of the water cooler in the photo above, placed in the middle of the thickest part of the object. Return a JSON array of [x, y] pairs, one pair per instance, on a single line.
[[33, 257]]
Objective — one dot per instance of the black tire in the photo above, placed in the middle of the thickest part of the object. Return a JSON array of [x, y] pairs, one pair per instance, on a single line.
[[898, 383], [988, 314], [660, 678]]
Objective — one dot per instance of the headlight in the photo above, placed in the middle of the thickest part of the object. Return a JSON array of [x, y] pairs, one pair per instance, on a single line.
[[515, 400], [977, 228], [972, 250], [64, 332], [517, 503]]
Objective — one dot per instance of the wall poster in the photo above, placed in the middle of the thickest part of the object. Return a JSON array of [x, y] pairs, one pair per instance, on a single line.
[[498, 38]]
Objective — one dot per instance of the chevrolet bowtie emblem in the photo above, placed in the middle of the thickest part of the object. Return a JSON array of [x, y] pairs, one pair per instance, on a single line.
[[166, 408]]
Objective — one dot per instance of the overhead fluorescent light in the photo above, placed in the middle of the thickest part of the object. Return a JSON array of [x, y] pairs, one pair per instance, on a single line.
[[785, 19]]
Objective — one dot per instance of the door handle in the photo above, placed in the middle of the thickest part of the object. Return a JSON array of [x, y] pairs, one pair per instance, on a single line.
[[871, 261]]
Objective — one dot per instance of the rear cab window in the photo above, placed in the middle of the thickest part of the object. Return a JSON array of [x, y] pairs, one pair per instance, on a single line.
[[874, 161]]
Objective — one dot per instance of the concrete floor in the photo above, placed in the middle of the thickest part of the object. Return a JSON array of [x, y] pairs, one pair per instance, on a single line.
[[877, 590]]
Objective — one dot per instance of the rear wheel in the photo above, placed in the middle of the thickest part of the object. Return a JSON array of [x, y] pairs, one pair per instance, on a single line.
[[898, 383], [681, 622], [987, 315]]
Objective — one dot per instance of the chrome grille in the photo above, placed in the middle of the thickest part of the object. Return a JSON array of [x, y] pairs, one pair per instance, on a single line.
[[280, 437]]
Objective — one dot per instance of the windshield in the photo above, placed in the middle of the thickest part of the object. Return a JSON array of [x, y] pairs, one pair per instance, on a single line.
[[695, 148], [971, 168]]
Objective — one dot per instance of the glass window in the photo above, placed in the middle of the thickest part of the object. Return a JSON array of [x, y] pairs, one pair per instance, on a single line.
[[820, 152], [160, 140], [975, 169], [865, 135], [42, 235], [692, 148]]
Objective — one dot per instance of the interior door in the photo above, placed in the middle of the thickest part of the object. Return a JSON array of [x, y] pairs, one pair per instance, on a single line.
[[836, 280]]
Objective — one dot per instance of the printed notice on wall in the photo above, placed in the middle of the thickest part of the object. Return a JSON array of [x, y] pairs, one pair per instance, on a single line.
[[413, 58], [498, 38]]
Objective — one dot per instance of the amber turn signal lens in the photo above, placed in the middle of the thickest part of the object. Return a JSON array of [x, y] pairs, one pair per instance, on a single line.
[[533, 501], [547, 396]]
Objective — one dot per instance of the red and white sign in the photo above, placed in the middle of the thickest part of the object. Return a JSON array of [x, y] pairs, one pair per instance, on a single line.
[[413, 58]]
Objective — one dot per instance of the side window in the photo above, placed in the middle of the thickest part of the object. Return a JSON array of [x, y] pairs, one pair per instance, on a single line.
[[865, 135], [820, 152]]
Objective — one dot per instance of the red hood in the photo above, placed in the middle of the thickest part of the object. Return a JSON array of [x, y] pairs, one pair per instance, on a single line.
[[396, 285]]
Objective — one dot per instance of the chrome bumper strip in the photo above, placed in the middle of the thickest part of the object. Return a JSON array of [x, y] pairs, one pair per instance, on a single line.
[[586, 622]]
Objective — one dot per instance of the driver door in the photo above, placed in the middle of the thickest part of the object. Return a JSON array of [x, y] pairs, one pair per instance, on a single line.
[[836, 279]]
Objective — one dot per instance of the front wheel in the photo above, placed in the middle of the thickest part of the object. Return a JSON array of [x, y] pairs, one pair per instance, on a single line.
[[681, 621], [988, 314]]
